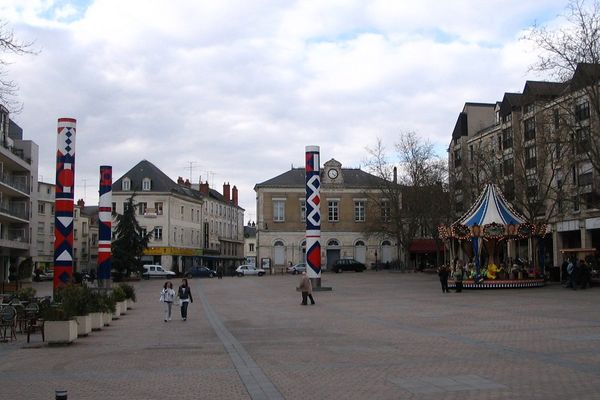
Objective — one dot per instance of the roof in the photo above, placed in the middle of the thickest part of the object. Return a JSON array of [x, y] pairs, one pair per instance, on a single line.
[[585, 75], [542, 89], [491, 207], [249, 231], [160, 182], [510, 101], [295, 178]]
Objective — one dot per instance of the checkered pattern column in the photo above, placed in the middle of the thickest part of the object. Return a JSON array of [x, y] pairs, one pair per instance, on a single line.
[[313, 212], [63, 203], [104, 225]]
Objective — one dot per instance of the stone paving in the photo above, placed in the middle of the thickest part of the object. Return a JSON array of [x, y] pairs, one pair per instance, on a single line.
[[377, 335]]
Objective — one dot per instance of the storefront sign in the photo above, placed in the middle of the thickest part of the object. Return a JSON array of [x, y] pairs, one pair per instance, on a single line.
[[172, 251]]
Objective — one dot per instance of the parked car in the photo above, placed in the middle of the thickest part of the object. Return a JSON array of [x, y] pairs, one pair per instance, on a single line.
[[348, 264], [246, 269], [156, 271], [296, 269], [198, 272], [39, 275]]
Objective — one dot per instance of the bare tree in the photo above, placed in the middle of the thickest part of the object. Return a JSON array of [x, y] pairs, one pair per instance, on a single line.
[[10, 44], [414, 190], [571, 54]]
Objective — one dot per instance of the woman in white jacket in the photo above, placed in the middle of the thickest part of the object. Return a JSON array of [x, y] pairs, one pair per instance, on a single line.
[[167, 295]]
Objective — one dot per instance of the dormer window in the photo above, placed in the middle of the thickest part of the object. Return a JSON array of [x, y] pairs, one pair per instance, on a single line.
[[146, 184], [126, 185]]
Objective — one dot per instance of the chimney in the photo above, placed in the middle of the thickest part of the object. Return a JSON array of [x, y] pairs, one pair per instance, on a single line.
[[226, 192], [203, 188], [80, 203], [180, 181], [395, 175], [187, 183], [234, 195]]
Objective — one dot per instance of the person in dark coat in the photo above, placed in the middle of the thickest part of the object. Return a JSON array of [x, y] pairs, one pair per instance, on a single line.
[[185, 297], [443, 273]]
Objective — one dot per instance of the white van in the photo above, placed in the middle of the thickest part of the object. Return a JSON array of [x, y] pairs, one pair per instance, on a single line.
[[157, 271]]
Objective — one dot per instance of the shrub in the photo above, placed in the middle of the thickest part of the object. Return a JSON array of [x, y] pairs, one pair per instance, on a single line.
[[75, 300], [101, 302], [128, 290], [118, 293], [26, 293]]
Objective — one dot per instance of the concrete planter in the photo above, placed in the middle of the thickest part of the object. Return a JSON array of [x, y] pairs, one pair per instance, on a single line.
[[129, 303], [96, 319], [84, 325], [106, 318], [60, 332], [117, 312], [122, 305]]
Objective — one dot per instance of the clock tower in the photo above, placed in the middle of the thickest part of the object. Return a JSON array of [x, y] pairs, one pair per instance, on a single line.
[[332, 172]]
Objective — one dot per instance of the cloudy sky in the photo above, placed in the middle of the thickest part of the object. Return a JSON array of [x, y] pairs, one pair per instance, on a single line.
[[237, 89]]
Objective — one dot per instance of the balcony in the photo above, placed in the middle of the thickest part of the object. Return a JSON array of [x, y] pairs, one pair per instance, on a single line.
[[16, 212], [7, 144], [150, 213], [15, 183], [15, 238]]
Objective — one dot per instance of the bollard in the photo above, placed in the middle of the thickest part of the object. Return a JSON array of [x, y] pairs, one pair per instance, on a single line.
[[60, 395]]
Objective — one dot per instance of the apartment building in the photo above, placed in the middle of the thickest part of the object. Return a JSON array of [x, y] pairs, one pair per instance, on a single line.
[[44, 230], [18, 199], [534, 148], [190, 225], [347, 205]]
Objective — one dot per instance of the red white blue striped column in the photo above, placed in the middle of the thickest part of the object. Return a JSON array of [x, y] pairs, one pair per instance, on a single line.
[[313, 212], [63, 202], [104, 226]]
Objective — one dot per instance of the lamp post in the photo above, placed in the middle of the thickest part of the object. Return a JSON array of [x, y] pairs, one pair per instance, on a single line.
[[376, 260]]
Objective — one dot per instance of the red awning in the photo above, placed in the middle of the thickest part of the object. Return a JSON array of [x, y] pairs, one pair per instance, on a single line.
[[424, 246]]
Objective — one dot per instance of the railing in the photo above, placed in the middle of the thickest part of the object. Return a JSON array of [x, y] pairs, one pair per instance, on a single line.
[[12, 182], [16, 235], [16, 151], [18, 213]]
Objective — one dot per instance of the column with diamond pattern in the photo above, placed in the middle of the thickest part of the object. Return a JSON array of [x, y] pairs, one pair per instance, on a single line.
[[63, 203], [104, 226], [313, 212]]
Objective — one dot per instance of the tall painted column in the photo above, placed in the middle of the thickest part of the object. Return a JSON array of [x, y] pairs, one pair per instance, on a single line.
[[313, 214], [104, 226], [63, 202]]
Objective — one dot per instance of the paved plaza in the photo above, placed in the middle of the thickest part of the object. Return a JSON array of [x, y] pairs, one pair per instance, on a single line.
[[377, 335]]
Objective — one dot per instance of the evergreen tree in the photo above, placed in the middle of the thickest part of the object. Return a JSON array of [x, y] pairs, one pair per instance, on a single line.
[[129, 241]]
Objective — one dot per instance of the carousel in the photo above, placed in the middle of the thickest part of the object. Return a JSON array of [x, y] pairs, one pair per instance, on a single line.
[[484, 233]]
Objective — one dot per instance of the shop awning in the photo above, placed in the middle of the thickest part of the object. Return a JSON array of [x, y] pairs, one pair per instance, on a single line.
[[424, 246]]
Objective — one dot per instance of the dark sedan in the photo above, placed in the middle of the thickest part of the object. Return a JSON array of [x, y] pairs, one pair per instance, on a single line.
[[348, 264], [200, 272]]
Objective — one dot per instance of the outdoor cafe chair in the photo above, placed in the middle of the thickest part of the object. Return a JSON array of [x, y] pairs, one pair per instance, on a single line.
[[8, 322]]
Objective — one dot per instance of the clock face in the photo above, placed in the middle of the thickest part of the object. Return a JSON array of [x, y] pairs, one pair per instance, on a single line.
[[332, 173]]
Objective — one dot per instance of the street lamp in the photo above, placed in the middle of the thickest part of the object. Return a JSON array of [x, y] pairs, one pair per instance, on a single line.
[[375, 260]]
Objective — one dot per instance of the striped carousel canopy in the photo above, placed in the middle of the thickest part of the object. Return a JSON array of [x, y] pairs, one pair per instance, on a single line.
[[491, 207]]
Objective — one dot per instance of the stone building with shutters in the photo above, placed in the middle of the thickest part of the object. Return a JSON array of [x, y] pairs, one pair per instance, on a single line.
[[350, 199]]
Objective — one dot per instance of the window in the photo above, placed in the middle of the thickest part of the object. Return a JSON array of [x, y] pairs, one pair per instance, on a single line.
[[507, 138], [582, 111], [41, 227], [181, 212], [157, 233], [114, 207], [174, 234], [529, 129], [302, 210], [457, 158], [386, 210], [159, 208], [142, 208], [146, 184], [94, 239], [582, 140], [333, 210], [75, 234], [41, 208], [509, 189], [126, 184], [530, 157], [278, 210], [508, 166], [359, 211], [143, 231], [471, 152], [575, 200], [250, 246]]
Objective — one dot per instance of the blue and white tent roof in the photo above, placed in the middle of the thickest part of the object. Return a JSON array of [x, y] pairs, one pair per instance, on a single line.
[[491, 207]]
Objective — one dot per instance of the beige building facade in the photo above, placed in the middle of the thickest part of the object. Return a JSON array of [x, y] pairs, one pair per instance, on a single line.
[[347, 205]]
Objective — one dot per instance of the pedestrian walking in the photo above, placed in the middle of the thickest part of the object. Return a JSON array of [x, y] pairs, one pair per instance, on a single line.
[[167, 295], [306, 289], [572, 271], [458, 277], [443, 273], [185, 297]]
